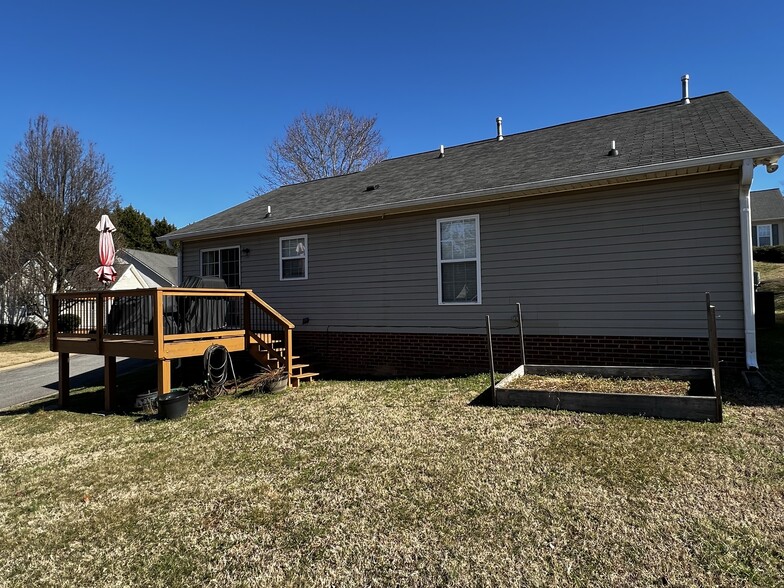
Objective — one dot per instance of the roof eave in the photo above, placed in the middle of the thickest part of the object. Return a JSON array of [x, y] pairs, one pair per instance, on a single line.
[[562, 184]]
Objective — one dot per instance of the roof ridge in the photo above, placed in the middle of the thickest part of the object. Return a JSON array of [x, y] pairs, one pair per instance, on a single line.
[[133, 251], [555, 126], [714, 129], [493, 139]]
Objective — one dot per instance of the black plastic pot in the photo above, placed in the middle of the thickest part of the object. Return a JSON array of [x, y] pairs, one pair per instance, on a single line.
[[173, 405]]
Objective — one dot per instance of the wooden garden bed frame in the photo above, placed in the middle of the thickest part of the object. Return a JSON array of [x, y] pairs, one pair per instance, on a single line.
[[703, 403]]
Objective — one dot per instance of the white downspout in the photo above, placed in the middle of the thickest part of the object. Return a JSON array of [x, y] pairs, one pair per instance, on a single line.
[[747, 172]]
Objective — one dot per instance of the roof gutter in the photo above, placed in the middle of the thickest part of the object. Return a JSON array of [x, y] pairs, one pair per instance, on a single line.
[[750, 329], [460, 198]]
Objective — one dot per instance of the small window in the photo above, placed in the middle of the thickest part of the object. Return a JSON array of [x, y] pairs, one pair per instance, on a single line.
[[222, 263], [294, 258], [764, 235], [459, 272]]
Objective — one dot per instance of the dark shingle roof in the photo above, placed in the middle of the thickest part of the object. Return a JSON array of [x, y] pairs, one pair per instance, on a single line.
[[713, 125], [163, 265], [767, 205]]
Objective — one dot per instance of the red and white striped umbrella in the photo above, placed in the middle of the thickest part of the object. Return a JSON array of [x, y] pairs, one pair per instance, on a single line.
[[106, 273]]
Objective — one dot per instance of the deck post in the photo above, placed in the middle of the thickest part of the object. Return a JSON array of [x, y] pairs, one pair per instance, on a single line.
[[164, 365], [164, 376], [53, 304], [246, 319], [109, 382], [289, 351], [99, 311], [158, 330], [64, 384]]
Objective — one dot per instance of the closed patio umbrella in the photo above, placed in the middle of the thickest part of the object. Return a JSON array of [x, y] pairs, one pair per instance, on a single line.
[[106, 273]]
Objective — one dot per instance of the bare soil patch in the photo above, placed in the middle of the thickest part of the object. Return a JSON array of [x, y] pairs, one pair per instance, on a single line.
[[583, 383]]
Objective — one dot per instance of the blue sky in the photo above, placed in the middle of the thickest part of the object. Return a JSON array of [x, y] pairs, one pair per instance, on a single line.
[[183, 98]]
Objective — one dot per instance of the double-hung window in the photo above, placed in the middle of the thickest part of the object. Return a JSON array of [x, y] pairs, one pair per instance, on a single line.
[[459, 271], [294, 258], [222, 263], [764, 235]]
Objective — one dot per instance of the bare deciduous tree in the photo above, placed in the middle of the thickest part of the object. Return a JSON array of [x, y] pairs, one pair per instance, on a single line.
[[329, 143], [53, 194]]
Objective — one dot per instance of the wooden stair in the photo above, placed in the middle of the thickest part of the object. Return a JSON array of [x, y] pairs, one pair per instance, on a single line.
[[275, 358], [271, 344]]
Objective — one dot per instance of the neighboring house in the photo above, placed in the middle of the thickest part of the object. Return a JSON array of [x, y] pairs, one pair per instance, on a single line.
[[608, 231], [767, 217], [19, 300], [143, 269], [21, 295], [128, 277]]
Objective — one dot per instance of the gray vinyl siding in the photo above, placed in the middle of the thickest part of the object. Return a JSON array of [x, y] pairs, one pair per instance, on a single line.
[[633, 260]]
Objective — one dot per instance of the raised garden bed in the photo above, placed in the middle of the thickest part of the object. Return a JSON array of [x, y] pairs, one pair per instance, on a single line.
[[672, 393]]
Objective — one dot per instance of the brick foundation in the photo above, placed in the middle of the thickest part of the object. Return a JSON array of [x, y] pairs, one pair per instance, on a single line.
[[415, 354]]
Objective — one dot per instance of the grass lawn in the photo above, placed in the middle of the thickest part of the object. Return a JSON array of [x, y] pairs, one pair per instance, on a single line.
[[390, 483], [400, 482], [24, 352]]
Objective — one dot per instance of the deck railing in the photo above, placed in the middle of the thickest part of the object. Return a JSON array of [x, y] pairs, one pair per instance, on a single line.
[[144, 322], [165, 324]]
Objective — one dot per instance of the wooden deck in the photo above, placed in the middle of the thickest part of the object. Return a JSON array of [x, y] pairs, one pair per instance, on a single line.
[[164, 324]]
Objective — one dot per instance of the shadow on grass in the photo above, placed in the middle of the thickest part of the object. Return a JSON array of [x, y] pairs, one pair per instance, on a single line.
[[767, 392], [485, 398], [87, 391], [81, 401]]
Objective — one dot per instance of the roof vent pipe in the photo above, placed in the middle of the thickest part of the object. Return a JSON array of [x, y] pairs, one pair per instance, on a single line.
[[441, 154], [500, 136], [613, 151], [685, 87]]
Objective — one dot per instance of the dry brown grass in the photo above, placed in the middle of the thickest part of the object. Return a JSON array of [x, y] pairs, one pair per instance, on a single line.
[[584, 383], [390, 483], [769, 271], [24, 352], [772, 280]]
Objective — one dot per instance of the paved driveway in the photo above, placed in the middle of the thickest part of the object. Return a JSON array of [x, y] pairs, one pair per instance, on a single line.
[[28, 383]]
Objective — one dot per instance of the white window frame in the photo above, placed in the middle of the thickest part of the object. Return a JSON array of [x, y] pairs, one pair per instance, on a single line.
[[770, 235], [281, 258], [239, 262], [477, 259]]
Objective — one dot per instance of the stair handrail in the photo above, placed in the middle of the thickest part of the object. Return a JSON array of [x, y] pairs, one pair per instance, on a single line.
[[269, 310], [288, 326]]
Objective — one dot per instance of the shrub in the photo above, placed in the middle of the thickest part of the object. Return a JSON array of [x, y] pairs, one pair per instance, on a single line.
[[68, 323], [773, 254], [26, 331], [6, 332]]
